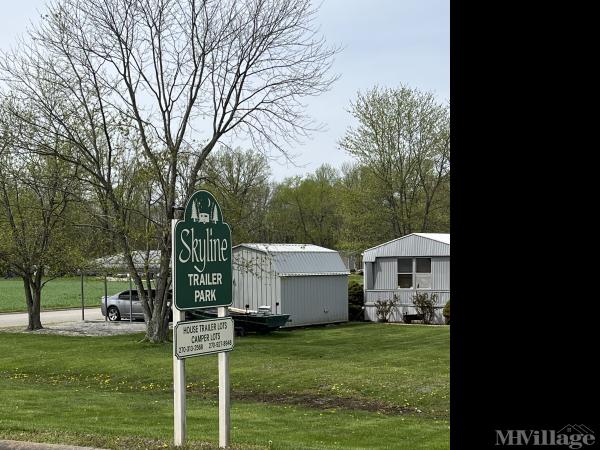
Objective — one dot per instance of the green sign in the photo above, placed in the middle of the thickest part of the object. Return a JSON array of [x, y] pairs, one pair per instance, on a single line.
[[202, 253]]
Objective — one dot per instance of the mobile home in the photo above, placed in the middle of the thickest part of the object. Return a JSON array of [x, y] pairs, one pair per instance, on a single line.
[[418, 262]]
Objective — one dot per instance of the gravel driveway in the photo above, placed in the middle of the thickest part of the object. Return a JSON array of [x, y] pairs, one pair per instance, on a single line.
[[94, 328], [22, 445], [68, 322], [86, 328]]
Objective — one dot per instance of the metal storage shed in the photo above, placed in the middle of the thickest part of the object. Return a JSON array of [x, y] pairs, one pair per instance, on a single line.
[[403, 266], [306, 281]]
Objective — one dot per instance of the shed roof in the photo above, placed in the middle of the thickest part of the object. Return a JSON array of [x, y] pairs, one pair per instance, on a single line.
[[300, 259], [275, 248], [118, 263], [441, 237], [414, 244]]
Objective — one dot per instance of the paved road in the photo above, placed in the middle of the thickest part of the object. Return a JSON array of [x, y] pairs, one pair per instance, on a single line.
[[49, 317], [22, 445]]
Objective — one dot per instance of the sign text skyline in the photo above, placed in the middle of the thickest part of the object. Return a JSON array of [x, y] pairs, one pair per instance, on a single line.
[[201, 250]]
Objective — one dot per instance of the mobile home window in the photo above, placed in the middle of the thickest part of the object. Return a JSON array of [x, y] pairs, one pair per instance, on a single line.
[[405, 273], [423, 275], [414, 272]]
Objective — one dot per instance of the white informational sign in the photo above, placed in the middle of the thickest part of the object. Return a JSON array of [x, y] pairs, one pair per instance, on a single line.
[[203, 337]]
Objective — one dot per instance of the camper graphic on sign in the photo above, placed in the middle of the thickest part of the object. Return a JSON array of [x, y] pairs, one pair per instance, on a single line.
[[203, 217]]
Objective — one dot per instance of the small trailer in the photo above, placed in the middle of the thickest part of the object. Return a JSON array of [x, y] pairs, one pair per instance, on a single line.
[[261, 321]]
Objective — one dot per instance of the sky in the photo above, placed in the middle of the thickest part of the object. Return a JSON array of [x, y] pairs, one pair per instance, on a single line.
[[384, 42]]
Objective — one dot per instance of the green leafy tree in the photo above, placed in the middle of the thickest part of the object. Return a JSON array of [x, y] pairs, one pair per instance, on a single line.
[[307, 209], [37, 240], [402, 147], [362, 210]]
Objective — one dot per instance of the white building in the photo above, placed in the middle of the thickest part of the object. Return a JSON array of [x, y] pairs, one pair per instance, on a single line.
[[403, 266], [306, 281]]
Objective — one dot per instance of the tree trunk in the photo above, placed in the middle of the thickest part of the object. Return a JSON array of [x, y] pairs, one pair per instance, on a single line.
[[157, 330], [33, 304], [425, 224], [157, 322]]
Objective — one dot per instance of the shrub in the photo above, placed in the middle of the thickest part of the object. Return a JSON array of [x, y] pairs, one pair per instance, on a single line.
[[446, 312], [425, 305], [356, 295], [385, 308], [356, 301]]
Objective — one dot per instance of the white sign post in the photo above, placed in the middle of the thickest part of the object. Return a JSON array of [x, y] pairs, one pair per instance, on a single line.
[[178, 368], [224, 388], [178, 387]]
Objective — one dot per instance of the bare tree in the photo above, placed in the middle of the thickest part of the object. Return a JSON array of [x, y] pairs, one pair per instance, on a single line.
[[240, 181], [160, 82]]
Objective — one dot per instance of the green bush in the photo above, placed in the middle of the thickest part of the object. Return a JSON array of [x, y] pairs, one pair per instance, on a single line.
[[425, 305], [446, 312], [356, 300], [385, 308]]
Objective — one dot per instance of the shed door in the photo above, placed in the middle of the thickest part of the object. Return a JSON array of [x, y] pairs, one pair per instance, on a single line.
[[315, 299]]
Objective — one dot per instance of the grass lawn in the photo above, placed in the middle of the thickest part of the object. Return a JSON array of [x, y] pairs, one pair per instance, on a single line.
[[350, 386], [356, 278], [58, 293], [66, 292]]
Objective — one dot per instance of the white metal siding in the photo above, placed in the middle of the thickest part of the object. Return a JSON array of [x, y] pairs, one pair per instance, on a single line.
[[405, 296], [405, 304], [314, 299], [308, 262], [371, 315], [309, 299], [386, 273], [440, 273], [410, 246], [368, 275], [255, 280]]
